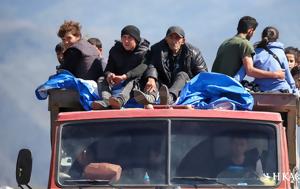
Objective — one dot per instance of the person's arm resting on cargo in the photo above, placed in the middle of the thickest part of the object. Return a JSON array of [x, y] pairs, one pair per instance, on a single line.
[[257, 73]]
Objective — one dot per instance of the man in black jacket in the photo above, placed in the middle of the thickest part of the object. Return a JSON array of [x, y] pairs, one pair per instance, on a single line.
[[80, 57], [172, 62], [123, 70]]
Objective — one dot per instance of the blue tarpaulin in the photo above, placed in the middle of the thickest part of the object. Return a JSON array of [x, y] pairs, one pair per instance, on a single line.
[[204, 91], [65, 80], [215, 90], [87, 89]]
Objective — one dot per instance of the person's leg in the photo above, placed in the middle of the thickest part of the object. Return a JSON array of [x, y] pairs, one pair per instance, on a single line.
[[104, 88], [104, 92], [123, 97], [169, 95], [145, 97], [179, 82]]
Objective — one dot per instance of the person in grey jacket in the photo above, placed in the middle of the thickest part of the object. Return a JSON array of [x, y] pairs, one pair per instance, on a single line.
[[123, 70], [172, 62], [80, 57]]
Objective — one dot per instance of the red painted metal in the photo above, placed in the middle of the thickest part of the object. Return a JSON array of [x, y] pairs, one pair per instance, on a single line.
[[169, 113]]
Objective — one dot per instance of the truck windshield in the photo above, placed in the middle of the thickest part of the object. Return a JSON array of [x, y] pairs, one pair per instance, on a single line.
[[167, 152], [120, 151], [228, 152]]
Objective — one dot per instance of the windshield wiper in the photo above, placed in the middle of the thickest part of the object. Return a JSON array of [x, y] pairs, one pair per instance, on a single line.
[[197, 178]]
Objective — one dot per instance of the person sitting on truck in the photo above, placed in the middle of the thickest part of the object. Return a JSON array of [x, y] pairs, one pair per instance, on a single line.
[[240, 160], [291, 55], [238, 51], [98, 44], [80, 57], [269, 56], [59, 50], [298, 57], [172, 62], [296, 75], [123, 70]]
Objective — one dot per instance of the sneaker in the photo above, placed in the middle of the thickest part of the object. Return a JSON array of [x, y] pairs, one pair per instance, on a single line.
[[143, 98], [164, 95], [115, 102], [99, 105]]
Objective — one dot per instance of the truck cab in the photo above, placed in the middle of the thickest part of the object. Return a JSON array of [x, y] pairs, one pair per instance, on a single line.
[[172, 146]]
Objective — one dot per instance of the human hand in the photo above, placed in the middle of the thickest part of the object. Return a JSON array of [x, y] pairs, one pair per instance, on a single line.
[[109, 79], [150, 85], [280, 74], [117, 79]]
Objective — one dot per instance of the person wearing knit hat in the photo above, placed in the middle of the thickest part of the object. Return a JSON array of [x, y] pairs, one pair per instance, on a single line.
[[124, 69], [133, 31], [172, 62]]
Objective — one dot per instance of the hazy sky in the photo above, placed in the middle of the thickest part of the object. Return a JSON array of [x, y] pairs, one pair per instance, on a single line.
[[28, 36]]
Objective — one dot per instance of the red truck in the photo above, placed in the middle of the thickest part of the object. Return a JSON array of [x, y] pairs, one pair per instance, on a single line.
[[170, 146]]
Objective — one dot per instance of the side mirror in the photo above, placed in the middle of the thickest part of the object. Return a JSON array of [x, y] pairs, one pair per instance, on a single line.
[[23, 167]]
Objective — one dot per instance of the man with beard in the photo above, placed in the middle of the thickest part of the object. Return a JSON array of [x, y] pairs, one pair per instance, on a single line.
[[238, 51], [172, 62]]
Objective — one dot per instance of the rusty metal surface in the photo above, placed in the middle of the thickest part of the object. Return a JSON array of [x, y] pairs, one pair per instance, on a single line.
[[274, 102]]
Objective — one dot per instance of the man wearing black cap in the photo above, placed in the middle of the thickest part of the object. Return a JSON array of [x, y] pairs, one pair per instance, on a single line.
[[171, 63], [123, 69]]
